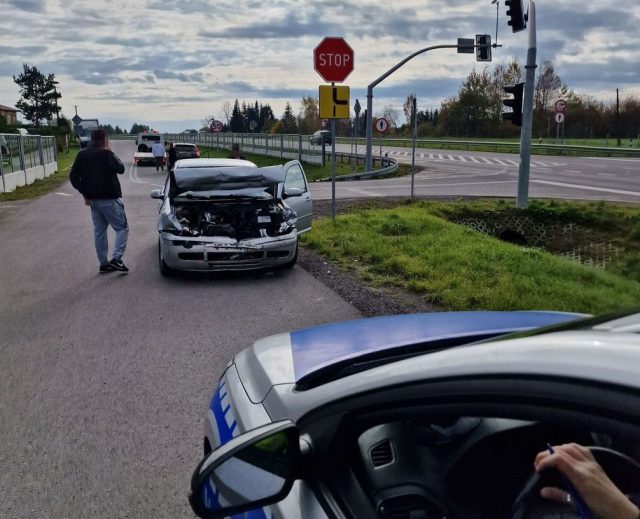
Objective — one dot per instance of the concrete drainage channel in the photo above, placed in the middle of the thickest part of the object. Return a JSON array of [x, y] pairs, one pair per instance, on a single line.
[[563, 239]]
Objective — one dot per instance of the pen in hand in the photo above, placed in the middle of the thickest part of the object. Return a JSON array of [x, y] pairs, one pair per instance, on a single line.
[[576, 498]]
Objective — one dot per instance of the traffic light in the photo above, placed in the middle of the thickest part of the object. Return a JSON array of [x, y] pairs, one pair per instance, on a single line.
[[517, 17], [483, 53], [515, 104]]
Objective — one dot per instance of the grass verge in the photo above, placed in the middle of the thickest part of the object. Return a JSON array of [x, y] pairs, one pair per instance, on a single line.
[[459, 269], [314, 172], [43, 186]]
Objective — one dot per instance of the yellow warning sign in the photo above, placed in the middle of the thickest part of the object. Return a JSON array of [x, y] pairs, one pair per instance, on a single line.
[[334, 102]]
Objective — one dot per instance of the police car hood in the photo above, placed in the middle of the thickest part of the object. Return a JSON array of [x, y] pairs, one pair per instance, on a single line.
[[303, 355]]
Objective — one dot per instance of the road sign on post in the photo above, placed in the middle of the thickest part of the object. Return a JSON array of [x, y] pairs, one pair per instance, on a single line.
[[382, 125], [334, 102], [333, 59], [561, 106], [216, 126]]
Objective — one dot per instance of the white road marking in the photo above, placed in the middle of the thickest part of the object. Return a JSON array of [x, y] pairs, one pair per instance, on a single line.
[[475, 160], [572, 171], [63, 194], [361, 191], [611, 158], [607, 174], [462, 158], [513, 162], [501, 162], [486, 160], [588, 188]]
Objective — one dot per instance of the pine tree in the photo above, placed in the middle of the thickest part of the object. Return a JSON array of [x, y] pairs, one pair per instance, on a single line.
[[38, 94]]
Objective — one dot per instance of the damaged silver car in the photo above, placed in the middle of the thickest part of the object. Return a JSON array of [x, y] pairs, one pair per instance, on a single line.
[[228, 214]]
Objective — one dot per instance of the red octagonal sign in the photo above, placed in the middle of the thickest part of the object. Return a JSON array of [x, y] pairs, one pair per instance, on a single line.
[[333, 59]]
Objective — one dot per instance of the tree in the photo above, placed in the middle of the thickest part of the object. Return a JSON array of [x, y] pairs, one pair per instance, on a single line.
[[227, 109], [266, 119], [309, 115], [407, 108], [236, 123], [38, 93], [138, 128], [391, 114], [288, 121]]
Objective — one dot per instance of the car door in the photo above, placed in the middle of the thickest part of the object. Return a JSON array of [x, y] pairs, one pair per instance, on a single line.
[[296, 194]]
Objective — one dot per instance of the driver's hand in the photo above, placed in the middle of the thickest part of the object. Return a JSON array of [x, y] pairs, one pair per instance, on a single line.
[[577, 463]]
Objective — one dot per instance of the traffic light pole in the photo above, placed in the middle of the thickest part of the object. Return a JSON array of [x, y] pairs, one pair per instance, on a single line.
[[527, 113], [369, 156]]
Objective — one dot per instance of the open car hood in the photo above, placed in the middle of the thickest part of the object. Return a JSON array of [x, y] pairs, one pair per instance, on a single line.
[[211, 179]]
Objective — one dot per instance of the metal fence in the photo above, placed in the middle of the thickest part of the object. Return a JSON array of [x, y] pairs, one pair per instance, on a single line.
[[24, 159], [284, 146]]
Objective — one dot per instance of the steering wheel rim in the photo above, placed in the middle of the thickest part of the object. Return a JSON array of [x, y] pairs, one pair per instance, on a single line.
[[620, 468]]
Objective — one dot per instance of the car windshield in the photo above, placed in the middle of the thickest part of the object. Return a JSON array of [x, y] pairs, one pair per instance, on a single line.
[[151, 138]]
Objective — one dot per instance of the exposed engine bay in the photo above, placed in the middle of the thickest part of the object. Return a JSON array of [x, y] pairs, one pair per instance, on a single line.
[[241, 220]]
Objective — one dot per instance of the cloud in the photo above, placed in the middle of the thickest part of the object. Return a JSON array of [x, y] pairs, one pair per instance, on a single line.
[[30, 6]]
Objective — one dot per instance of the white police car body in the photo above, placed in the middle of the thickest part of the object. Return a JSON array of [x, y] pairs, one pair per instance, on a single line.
[[401, 415]]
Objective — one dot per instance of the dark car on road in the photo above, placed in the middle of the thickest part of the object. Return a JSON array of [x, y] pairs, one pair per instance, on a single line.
[[321, 136], [186, 150]]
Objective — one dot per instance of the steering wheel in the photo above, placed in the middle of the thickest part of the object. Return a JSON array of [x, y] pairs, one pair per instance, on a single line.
[[623, 471]]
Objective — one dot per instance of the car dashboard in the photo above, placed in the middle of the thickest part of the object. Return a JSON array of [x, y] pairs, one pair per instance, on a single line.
[[468, 467]]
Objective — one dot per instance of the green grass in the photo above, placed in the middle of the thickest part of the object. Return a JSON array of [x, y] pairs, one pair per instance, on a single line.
[[43, 186], [313, 172], [459, 269]]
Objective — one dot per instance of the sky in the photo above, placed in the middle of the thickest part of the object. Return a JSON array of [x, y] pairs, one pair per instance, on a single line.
[[172, 63]]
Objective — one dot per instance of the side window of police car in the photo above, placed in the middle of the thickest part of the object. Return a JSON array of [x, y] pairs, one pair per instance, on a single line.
[[294, 181]]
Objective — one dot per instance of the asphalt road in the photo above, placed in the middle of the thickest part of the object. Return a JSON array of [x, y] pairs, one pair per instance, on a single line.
[[105, 379], [461, 173]]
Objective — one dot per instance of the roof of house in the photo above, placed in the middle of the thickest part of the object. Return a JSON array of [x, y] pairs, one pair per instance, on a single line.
[[8, 109]]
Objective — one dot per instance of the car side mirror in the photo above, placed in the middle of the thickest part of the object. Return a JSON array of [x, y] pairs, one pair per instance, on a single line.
[[157, 194], [255, 469], [293, 191]]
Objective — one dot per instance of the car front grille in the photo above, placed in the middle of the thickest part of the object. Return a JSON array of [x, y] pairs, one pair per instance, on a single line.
[[234, 256]]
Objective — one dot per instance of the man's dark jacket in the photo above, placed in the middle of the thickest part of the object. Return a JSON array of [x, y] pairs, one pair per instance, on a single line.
[[95, 173]]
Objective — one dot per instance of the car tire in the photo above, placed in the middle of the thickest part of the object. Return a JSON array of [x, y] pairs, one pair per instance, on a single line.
[[290, 264], [165, 269]]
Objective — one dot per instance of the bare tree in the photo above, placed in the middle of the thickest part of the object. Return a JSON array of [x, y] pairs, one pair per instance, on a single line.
[[392, 115], [309, 116], [547, 86], [407, 108], [227, 109]]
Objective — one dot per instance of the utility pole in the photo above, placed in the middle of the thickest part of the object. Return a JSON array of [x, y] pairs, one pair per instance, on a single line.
[[527, 113], [618, 116]]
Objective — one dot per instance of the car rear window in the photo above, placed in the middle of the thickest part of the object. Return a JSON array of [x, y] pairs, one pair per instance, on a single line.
[[154, 138], [185, 147]]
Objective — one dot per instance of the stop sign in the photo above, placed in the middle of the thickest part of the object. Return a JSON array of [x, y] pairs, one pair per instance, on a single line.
[[333, 59]]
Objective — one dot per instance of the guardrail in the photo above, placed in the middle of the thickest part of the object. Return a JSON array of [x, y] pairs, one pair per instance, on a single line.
[[506, 147], [388, 166], [25, 158]]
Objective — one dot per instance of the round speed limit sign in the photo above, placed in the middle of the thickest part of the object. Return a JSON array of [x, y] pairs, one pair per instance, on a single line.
[[216, 126], [382, 125]]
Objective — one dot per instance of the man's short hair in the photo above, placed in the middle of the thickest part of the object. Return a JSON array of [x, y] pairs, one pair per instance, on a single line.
[[99, 137]]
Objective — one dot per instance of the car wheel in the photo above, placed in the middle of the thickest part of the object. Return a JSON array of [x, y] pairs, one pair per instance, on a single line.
[[165, 269], [289, 264]]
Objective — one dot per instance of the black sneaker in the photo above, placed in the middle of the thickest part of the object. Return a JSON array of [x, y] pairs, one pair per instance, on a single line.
[[118, 265], [107, 267]]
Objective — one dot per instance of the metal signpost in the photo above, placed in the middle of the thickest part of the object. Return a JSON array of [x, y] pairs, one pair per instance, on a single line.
[[217, 127], [356, 109], [382, 125], [333, 60], [560, 108], [414, 114]]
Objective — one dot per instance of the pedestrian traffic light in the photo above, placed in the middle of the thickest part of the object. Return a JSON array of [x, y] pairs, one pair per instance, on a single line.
[[515, 116], [517, 17], [483, 53]]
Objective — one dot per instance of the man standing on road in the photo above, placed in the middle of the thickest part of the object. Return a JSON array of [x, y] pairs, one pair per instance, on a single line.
[[158, 154], [95, 174], [172, 155]]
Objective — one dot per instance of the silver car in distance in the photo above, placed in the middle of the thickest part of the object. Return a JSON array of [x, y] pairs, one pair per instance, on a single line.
[[228, 214]]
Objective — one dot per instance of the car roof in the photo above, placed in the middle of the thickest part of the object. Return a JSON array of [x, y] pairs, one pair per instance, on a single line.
[[186, 144], [213, 163]]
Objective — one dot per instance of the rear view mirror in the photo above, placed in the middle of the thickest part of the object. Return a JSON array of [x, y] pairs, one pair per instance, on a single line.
[[255, 469], [157, 194], [293, 191]]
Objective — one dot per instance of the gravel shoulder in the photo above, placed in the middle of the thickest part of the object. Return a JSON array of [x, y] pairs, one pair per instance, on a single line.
[[370, 301]]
